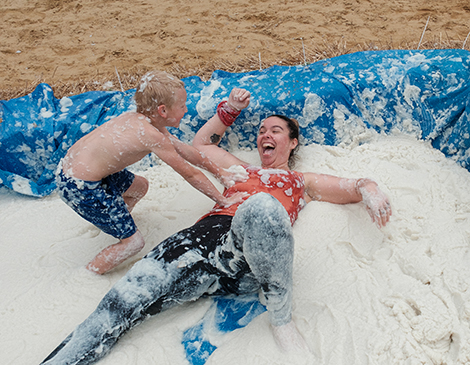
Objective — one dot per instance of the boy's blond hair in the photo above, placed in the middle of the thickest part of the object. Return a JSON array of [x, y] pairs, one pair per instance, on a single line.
[[156, 88]]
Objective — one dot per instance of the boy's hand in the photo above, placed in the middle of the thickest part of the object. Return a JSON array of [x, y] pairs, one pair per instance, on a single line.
[[234, 199], [239, 98], [236, 173]]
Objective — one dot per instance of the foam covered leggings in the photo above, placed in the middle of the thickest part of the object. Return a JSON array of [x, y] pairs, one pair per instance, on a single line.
[[218, 255], [261, 229]]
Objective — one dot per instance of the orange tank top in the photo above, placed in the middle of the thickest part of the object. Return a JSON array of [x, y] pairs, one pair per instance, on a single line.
[[285, 186]]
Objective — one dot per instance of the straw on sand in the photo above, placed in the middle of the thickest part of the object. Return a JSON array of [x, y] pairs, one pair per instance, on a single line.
[[300, 54]]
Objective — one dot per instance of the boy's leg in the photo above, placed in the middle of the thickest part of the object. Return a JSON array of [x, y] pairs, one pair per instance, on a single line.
[[116, 254], [115, 197], [263, 228], [136, 191]]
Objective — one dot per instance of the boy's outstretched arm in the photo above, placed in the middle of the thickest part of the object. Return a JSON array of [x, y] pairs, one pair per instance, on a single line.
[[166, 151], [199, 159], [210, 134]]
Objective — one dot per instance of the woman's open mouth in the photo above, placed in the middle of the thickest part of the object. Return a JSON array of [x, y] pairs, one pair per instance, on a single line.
[[267, 148]]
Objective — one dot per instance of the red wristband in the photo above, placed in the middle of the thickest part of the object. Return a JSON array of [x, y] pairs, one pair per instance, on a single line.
[[226, 113]]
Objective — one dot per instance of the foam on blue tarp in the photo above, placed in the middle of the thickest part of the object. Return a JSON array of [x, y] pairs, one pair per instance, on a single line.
[[225, 314], [424, 93]]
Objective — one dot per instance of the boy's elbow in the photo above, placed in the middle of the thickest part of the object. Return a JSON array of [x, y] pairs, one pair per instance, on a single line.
[[197, 143]]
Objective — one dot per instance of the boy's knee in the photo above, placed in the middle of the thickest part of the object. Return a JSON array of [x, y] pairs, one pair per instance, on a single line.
[[142, 185]]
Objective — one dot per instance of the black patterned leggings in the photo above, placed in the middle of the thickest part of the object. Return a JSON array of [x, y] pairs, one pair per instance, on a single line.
[[218, 255]]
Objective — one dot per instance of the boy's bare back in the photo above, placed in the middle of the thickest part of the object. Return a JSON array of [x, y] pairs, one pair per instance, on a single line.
[[112, 147]]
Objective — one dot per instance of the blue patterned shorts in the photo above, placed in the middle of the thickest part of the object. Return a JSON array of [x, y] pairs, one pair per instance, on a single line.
[[100, 202]]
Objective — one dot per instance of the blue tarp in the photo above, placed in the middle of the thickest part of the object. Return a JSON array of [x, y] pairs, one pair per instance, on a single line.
[[225, 314], [424, 93]]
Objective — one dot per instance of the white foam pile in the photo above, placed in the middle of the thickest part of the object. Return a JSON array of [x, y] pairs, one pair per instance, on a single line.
[[399, 295]]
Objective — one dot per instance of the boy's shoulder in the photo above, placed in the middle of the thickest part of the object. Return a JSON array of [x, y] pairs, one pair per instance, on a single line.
[[134, 123], [130, 115], [132, 119]]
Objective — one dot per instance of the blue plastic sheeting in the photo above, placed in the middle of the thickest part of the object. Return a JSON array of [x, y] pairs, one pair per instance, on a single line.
[[423, 93], [226, 314], [38, 129]]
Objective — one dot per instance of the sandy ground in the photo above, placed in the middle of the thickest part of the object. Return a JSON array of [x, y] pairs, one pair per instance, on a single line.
[[76, 41]]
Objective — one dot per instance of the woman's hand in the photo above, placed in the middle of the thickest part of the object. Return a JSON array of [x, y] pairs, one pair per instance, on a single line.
[[239, 98], [375, 200]]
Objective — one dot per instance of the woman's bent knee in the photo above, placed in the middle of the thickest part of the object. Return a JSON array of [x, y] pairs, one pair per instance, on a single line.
[[262, 212]]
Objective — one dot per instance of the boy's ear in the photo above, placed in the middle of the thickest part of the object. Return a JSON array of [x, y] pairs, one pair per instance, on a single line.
[[162, 111]]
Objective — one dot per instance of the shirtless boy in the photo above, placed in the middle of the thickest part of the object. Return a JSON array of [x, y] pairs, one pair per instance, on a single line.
[[93, 180]]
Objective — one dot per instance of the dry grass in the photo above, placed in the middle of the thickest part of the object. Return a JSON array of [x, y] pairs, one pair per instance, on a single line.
[[128, 79]]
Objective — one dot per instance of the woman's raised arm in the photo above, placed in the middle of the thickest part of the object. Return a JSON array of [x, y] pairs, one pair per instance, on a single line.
[[210, 134]]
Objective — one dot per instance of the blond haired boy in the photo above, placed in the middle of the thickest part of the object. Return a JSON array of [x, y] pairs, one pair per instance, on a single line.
[[93, 179]]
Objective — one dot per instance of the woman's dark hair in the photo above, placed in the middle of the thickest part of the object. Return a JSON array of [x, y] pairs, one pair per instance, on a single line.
[[294, 132]]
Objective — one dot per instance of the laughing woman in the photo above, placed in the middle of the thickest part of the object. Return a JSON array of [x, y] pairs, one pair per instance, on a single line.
[[239, 249]]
